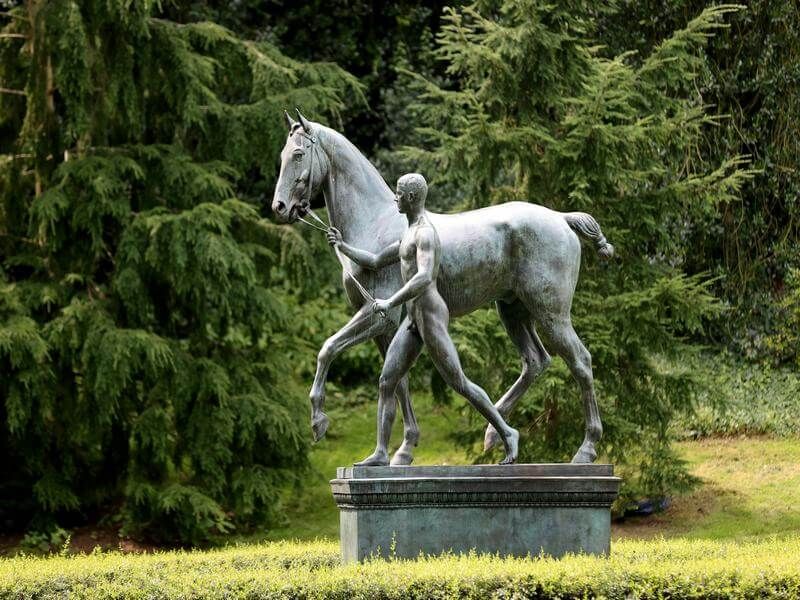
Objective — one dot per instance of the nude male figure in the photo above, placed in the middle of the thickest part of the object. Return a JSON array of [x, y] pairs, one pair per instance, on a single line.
[[426, 321]]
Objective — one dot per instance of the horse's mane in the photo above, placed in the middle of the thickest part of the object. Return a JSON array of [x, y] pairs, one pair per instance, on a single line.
[[332, 139]]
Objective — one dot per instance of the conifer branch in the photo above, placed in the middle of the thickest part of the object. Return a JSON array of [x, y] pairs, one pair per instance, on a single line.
[[10, 157], [13, 16], [105, 227], [10, 91], [24, 240]]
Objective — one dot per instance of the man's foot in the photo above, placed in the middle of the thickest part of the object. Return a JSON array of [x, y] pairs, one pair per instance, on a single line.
[[512, 446], [376, 459], [491, 438], [586, 454], [319, 425]]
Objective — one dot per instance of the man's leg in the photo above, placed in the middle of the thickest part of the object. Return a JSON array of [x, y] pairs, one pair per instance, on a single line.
[[444, 355], [400, 356], [404, 455]]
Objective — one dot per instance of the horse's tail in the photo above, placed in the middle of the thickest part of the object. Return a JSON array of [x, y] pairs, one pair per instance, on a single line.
[[586, 227]]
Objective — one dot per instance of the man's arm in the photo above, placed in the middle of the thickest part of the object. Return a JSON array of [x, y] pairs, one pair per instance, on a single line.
[[387, 256], [426, 265]]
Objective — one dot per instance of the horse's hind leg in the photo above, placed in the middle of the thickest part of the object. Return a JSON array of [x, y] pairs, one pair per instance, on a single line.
[[517, 320], [566, 343], [405, 453]]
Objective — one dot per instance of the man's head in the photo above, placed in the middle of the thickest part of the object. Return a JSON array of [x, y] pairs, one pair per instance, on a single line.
[[411, 192]]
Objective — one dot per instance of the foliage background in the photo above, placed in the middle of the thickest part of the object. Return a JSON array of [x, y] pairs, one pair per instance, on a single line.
[[146, 337], [150, 312]]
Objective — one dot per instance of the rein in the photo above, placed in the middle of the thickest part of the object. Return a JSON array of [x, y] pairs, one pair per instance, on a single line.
[[324, 229]]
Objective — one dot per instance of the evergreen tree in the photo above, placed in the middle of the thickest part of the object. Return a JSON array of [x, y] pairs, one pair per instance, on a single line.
[[540, 113], [368, 38], [751, 244], [145, 352]]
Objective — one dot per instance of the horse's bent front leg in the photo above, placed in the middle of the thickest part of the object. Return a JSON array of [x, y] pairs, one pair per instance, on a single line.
[[363, 326], [405, 453]]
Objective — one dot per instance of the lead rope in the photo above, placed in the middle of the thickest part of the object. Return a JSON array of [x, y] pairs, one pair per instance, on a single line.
[[325, 228]]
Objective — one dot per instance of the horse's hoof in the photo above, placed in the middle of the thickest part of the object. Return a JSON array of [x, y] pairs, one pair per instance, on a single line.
[[491, 438], [319, 426], [376, 459], [585, 455], [401, 458]]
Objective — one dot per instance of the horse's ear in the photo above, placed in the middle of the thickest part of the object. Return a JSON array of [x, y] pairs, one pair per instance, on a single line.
[[290, 123], [304, 122]]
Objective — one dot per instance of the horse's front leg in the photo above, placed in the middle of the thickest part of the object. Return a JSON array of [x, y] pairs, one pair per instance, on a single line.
[[363, 326]]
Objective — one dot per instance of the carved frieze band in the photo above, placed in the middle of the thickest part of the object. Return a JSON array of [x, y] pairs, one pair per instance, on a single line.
[[472, 499]]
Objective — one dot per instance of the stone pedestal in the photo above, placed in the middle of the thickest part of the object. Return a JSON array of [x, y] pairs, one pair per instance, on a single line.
[[512, 510]]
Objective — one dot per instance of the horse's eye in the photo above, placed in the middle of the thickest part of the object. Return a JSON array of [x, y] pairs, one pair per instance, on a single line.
[[298, 156]]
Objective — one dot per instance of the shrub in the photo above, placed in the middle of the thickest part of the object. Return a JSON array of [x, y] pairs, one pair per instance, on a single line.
[[660, 569], [744, 399]]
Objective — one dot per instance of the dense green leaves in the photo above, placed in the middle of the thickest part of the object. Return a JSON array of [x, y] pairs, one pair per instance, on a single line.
[[752, 82], [145, 348], [151, 360]]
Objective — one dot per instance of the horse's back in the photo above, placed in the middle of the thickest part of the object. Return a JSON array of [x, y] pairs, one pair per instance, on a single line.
[[506, 251]]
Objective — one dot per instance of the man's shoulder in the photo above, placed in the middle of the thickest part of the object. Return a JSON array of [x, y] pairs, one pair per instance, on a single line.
[[425, 233]]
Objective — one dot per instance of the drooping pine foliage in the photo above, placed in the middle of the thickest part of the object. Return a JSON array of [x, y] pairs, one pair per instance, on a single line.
[[750, 244], [144, 355], [541, 113]]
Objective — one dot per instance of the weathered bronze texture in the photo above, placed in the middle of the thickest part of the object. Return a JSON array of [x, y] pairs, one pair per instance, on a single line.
[[427, 317], [513, 510], [522, 256]]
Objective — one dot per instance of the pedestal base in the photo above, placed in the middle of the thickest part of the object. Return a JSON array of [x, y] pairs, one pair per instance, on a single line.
[[513, 510]]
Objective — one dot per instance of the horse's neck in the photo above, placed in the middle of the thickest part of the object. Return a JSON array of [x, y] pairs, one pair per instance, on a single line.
[[359, 202]]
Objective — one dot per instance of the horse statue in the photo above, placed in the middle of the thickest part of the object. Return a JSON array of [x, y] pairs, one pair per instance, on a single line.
[[523, 257]]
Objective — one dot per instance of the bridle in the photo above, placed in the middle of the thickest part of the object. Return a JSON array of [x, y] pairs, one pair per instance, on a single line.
[[305, 200]]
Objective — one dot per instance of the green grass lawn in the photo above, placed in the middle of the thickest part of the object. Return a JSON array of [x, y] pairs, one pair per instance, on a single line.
[[751, 486], [751, 489]]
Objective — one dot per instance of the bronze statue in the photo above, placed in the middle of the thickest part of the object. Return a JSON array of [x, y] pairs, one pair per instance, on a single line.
[[426, 321], [522, 256]]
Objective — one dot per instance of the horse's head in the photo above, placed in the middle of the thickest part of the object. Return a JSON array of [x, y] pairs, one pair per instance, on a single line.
[[303, 168]]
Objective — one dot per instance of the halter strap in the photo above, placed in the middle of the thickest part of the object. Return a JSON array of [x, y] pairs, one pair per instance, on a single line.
[[307, 192]]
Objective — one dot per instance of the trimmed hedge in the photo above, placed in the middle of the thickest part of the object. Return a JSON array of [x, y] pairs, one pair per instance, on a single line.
[[660, 569]]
